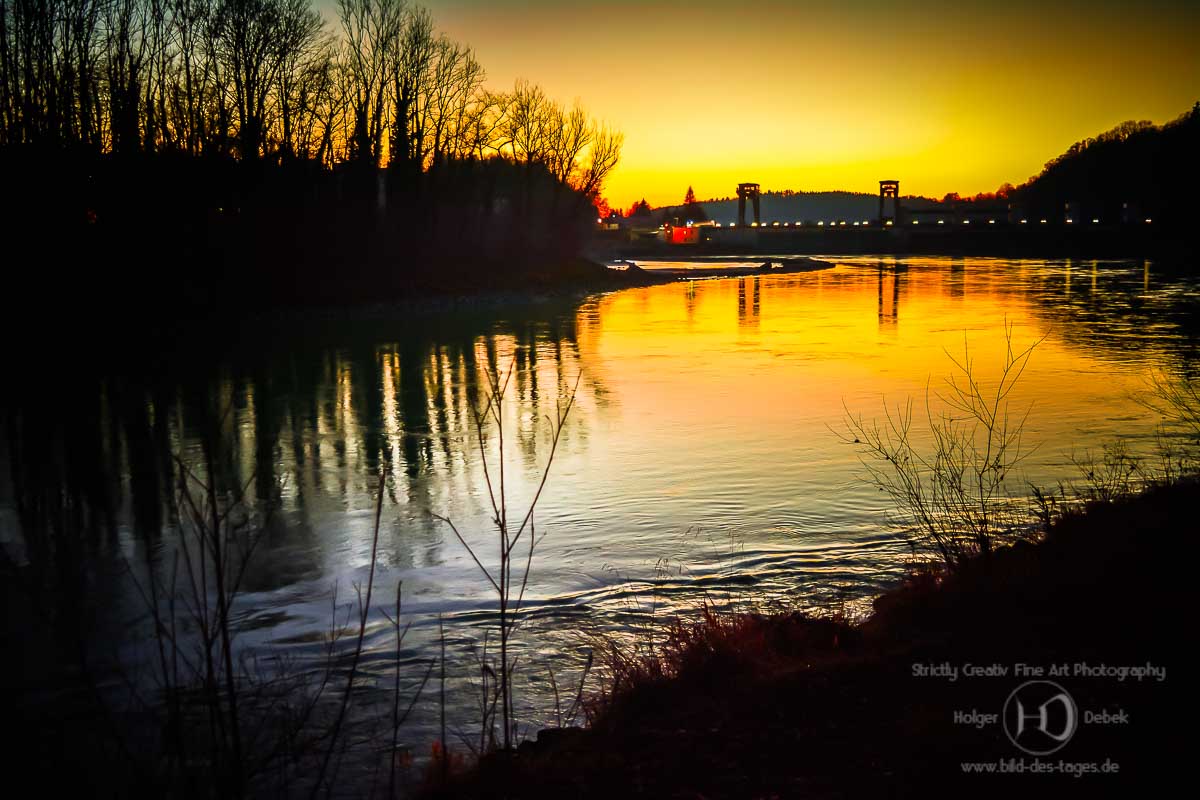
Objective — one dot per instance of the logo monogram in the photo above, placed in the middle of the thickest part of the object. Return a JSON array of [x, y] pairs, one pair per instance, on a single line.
[[1040, 717]]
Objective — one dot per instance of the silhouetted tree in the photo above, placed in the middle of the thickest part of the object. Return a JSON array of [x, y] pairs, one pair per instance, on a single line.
[[371, 30], [692, 210], [640, 209], [215, 124]]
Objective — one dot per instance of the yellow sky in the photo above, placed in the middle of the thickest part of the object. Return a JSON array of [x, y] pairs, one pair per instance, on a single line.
[[945, 97]]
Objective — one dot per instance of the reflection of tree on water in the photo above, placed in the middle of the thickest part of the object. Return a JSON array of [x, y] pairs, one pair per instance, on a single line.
[[448, 366], [302, 428], [1127, 310], [268, 423], [416, 444], [60, 463], [142, 415]]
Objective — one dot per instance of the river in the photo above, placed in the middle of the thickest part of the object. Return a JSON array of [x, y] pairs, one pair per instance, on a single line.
[[701, 459]]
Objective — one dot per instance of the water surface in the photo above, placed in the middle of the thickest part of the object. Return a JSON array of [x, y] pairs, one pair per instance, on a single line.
[[701, 458]]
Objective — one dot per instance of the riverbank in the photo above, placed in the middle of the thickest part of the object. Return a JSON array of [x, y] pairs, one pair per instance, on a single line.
[[790, 705]]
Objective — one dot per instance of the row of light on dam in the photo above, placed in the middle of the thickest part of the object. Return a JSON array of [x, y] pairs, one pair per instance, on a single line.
[[866, 223]]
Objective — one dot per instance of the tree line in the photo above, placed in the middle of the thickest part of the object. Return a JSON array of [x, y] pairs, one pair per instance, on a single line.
[[227, 106], [269, 79]]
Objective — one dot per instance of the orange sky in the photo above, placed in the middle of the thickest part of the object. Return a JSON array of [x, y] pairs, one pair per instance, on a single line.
[[943, 96]]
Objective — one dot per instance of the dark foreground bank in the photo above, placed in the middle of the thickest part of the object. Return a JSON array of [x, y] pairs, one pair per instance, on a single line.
[[922, 698]]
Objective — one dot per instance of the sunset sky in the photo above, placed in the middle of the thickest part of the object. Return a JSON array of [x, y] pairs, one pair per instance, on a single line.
[[804, 95]]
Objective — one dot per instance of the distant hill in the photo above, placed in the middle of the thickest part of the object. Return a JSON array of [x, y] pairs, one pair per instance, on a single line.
[[1153, 168], [1135, 170]]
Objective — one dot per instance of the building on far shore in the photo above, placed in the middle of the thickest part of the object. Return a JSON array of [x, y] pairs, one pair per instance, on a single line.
[[691, 233]]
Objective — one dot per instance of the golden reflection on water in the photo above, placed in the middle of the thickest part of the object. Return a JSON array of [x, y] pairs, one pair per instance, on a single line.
[[733, 378], [712, 402]]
